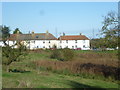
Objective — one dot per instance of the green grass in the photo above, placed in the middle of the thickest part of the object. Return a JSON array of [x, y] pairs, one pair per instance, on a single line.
[[43, 79], [40, 78]]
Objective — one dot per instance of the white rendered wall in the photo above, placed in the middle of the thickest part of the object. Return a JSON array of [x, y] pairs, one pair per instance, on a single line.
[[1, 43], [34, 44], [83, 44]]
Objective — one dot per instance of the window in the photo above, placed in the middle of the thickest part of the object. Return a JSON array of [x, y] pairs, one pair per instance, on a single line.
[[43, 41], [49, 41], [33, 41], [60, 46], [37, 46], [76, 46], [66, 46], [84, 46], [43, 46], [49, 46], [75, 41], [72, 47]]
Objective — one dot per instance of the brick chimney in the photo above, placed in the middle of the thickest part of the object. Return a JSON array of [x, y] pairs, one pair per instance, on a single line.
[[63, 34], [32, 33], [18, 35], [47, 32], [18, 32]]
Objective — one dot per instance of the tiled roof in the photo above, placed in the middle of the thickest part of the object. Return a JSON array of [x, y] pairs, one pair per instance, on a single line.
[[35, 36], [73, 37]]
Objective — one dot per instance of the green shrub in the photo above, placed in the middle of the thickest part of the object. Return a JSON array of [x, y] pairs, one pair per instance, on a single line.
[[68, 54], [56, 54], [63, 54]]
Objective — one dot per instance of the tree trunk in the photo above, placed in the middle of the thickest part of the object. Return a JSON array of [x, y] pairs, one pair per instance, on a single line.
[[8, 68]]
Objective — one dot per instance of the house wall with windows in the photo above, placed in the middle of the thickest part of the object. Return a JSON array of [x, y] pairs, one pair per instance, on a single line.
[[35, 44], [74, 44], [47, 41]]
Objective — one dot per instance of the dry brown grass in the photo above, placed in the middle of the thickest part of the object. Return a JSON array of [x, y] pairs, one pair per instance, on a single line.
[[108, 59], [77, 67], [105, 64]]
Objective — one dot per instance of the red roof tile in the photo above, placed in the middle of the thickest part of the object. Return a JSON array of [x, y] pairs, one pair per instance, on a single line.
[[73, 37]]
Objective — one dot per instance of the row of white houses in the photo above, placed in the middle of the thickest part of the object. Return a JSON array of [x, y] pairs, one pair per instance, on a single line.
[[47, 40]]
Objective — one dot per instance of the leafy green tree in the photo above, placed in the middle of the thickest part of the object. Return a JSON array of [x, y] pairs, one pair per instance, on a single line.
[[10, 54], [110, 30], [99, 43], [17, 30], [5, 34]]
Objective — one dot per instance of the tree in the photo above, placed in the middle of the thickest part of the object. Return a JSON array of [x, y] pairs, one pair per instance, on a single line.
[[17, 30], [110, 30], [5, 34], [10, 54]]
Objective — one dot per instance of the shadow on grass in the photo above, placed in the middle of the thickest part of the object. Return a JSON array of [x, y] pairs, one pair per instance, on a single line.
[[74, 84], [18, 71]]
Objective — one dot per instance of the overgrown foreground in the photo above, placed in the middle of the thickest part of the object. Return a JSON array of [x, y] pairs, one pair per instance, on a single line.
[[87, 69]]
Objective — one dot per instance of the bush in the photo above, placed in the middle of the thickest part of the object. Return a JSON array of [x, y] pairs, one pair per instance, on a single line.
[[56, 54], [68, 54], [63, 54]]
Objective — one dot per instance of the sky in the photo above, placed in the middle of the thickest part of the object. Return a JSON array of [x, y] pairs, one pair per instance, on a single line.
[[71, 18]]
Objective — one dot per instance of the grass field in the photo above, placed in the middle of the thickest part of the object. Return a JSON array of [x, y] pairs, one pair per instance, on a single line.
[[40, 71], [42, 79]]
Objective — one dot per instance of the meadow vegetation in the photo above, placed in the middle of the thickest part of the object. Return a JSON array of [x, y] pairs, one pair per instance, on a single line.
[[64, 68]]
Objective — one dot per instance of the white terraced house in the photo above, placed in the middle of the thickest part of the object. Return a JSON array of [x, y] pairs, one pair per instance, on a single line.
[[74, 42], [47, 41]]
